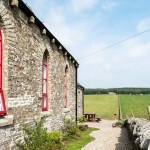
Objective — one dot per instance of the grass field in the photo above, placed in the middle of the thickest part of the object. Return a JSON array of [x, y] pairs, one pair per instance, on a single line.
[[137, 103], [104, 105]]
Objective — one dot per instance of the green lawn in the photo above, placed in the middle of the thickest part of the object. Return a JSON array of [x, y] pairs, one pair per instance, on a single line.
[[85, 138], [137, 103], [104, 105]]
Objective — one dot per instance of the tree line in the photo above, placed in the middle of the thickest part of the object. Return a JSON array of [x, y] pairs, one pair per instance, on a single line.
[[89, 91]]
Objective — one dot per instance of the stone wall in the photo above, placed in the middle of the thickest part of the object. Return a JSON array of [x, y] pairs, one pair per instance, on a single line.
[[80, 101], [23, 50], [139, 131]]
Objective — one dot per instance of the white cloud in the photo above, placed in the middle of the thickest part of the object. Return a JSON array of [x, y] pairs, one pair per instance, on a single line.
[[80, 5], [36, 4], [70, 35], [133, 49], [109, 4], [131, 56], [144, 25], [120, 66]]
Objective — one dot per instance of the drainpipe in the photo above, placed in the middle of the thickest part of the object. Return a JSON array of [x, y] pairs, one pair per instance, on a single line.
[[76, 104]]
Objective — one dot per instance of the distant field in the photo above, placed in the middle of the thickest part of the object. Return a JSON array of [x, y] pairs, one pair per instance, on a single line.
[[104, 105], [137, 103]]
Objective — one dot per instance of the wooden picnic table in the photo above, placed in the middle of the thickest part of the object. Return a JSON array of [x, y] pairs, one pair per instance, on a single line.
[[90, 116]]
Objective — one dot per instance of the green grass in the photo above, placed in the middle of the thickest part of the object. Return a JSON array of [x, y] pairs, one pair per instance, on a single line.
[[137, 103], [104, 105], [85, 138]]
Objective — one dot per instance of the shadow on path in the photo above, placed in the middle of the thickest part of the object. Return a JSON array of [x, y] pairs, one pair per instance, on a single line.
[[124, 142]]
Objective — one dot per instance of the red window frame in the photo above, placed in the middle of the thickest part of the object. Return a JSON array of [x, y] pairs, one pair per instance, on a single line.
[[66, 88], [45, 80], [3, 106]]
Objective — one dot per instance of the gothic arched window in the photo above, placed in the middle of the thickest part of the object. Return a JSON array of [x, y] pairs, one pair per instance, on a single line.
[[66, 87], [45, 82]]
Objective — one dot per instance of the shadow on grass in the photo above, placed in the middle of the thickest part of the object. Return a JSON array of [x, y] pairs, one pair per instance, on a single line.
[[124, 142]]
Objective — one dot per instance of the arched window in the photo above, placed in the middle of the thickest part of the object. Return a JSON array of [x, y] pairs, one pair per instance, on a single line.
[[66, 87], [2, 101], [45, 82]]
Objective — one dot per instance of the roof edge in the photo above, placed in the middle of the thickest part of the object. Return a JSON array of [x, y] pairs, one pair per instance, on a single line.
[[22, 6]]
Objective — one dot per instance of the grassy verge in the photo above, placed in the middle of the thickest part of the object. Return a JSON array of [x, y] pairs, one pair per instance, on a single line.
[[137, 103], [104, 105], [85, 138]]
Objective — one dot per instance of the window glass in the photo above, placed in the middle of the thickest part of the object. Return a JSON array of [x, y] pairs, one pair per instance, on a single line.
[[44, 86], [44, 103], [1, 104], [44, 71]]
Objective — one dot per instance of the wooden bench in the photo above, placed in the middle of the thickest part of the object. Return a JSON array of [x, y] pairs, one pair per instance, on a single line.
[[97, 119], [90, 116]]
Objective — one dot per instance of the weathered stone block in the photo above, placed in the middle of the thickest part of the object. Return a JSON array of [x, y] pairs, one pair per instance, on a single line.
[[14, 3], [31, 19], [43, 31], [7, 120], [53, 40]]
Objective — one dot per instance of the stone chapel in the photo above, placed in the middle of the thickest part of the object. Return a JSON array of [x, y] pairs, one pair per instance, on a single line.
[[38, 76]]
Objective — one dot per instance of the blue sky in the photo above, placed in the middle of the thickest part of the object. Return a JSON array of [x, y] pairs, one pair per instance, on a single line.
[[85, 26]]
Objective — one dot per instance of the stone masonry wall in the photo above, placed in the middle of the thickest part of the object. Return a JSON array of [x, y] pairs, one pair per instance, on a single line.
[[23, 50], [139, 131], [80, 102]]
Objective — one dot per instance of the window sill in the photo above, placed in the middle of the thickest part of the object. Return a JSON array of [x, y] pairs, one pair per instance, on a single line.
[[66, 110], [6, 120], [46, 113]]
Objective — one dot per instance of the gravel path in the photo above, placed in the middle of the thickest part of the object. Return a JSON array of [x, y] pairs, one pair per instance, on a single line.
[[108, 138]]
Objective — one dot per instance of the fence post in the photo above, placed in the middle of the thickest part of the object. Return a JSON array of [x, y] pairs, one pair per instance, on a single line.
[[119, 106], [132, 113], [148, 109]]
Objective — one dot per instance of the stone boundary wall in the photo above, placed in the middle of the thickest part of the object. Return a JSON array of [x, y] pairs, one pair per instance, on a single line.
[[139, 132]]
